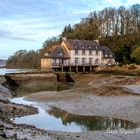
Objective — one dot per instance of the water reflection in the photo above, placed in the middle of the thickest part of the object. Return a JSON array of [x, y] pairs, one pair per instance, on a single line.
[[64, 86], [90, 123], [56, 119], [38, 87], [4, 71]]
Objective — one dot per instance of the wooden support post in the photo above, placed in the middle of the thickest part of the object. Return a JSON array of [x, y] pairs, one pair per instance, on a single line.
[[70, 69], [90, 68], [62, 68], [83, 69], [77, 69]]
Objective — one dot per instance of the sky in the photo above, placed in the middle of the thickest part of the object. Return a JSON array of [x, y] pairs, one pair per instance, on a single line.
[[26, 24]]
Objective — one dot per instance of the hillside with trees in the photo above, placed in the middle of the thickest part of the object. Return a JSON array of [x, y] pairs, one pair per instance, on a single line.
[[24, 59], [119, 29]]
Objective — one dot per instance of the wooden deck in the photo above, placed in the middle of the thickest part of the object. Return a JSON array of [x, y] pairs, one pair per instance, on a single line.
[[75, 68]]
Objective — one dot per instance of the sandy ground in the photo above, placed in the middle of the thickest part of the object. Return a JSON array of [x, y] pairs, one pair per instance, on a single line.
[[93, 95], [97, 95]]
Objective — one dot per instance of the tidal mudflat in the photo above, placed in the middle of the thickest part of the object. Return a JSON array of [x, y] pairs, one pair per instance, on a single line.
[[100, 95]]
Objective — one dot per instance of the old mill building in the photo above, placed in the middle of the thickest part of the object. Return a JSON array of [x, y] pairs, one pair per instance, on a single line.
[[77, 55]]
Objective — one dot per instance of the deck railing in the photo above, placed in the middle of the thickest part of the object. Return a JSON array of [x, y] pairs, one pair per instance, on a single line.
[[73, 64]]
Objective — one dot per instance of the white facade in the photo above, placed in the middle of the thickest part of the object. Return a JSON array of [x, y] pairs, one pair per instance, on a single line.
[[88, 53], [80, 57], [84, 57]]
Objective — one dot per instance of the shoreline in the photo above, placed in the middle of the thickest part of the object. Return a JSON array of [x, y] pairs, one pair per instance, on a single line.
[[87, 97]]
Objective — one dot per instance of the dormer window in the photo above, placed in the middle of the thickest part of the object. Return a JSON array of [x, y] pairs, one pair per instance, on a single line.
[[106, 55], [46, 54], [89, 47], [60, 53]]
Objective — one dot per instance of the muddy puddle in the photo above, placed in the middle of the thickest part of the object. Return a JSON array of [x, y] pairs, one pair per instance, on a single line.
[[132, 88], [20, 91], [52, 118]]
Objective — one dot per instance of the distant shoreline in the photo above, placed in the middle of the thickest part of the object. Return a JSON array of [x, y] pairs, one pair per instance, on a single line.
[[2, 66]]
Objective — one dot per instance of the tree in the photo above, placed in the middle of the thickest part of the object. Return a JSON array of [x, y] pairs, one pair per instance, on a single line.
[[24, 59], [48, 43], [119, 29], [136, 54], [123, 55]]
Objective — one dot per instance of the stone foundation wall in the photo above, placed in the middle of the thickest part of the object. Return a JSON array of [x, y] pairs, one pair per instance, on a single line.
[[46, 63], [30, 83]]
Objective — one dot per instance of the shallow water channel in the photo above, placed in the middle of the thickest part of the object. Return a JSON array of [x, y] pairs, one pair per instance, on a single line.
[[56, 119]]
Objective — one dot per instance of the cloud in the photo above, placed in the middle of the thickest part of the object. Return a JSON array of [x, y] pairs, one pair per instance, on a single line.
[[10, 35], [32, 21], [131, 2]]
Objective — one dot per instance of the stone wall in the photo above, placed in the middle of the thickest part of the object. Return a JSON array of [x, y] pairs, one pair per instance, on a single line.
[[34, 82], [46, 63]]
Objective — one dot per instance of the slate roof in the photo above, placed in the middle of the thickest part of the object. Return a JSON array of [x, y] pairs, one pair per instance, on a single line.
[[57, 51], [107, 53], [89, 45], [82, 44]]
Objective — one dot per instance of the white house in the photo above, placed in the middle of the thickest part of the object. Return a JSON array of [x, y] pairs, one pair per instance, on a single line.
[[77, 53]]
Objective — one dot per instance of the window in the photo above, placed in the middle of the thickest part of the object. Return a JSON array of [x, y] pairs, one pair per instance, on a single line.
[[82, 46], [60, 54], [89, 47], [60, 61], [97, 61], [76, 60], [76, 52], [97, 52], [83, 52], [90, 60], [83, 60], [90, 52], [54, 61]]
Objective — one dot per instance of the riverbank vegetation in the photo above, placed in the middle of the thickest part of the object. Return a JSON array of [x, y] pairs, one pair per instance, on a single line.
[[119, 29], [24, 59]]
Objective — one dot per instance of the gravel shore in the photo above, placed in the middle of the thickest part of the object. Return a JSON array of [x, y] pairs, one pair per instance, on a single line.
[[90, 99], [92, 95]]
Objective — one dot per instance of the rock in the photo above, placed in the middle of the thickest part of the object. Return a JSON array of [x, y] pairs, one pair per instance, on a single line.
[[4, 90], [2, 134], [5, 94], [1, 127], [2, 79]]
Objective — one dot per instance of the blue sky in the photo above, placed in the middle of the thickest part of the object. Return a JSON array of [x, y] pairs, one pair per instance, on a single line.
[[26, 24]]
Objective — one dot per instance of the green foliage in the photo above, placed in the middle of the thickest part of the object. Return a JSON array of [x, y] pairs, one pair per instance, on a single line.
[[132, 67], [24, 59], [119, 29], [84, 30], [49, 43], [136, 54], [123, 55]]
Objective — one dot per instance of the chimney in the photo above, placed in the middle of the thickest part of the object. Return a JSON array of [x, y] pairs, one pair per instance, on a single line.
[[64, 39], [97, 41]]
